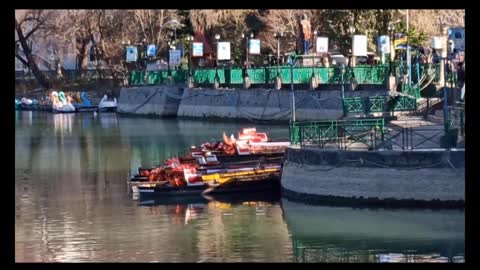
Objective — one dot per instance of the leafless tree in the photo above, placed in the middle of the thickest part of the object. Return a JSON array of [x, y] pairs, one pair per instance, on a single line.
[[28, 23]]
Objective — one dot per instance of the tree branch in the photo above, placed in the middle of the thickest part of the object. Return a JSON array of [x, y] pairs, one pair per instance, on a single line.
[[25, 62]]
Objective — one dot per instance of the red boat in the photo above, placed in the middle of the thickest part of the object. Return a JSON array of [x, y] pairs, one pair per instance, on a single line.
[[248, 161]]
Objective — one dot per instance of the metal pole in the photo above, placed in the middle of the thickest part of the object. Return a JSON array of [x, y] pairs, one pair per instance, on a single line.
[[343, 90], [278, 56], [190, 57], [216, 63], [246, 57], [418, 74], [409, 60], [314, 54], [445, 100], [292, 92], [390, 41]]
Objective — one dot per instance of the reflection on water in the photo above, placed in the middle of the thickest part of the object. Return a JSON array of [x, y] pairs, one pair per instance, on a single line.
[[63, 123], [333, 234], [71, 203]]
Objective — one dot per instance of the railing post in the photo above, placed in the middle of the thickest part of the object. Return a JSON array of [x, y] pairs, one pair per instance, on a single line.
[[300, 135], [411, 139], [461, 122]]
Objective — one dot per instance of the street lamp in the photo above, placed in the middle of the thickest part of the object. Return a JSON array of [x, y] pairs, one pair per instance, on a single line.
[[144, 52], [190, 83], [390, 31], [314, 83], [246, 79], [409, 60], [216, 80], [278, 79], [342, 70], [170, 43], [125, 44], [351, 30]]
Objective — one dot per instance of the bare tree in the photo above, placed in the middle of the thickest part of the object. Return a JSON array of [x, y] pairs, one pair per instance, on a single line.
[[27, 24]]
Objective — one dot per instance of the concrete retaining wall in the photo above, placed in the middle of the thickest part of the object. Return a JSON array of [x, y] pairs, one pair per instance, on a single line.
[[430, 178], [252, 104], [154, 100], [265, 105]]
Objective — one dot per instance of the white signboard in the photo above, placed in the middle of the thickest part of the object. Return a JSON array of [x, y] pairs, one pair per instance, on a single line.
[[132, 54], [175, 57], [383, 44], [254, 47], [151, 50], [438, 43], [359, 45], [197, 48], [322, 44], [223, 51]]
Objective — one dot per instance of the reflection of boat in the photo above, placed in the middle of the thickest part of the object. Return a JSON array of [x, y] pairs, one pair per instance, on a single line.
[[107, 104], [320, 229], [108, 120], [271, 196], [63, 123]]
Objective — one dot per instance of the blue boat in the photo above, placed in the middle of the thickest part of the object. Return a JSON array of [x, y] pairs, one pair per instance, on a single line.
[[86, 105]]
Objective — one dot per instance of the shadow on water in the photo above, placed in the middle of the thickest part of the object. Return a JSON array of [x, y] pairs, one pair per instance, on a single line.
[[343, 234]]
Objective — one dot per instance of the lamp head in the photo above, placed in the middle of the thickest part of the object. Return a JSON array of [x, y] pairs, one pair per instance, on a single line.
[[251, 35], [217, 36], [351, 29]]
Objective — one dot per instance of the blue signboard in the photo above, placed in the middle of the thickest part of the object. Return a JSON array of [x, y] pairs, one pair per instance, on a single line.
[[197, 49], [151, 50], [132, 54], [175, 57], [383, 44]]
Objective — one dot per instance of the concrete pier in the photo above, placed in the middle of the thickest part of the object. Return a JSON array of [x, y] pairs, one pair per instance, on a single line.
[[390, 178]]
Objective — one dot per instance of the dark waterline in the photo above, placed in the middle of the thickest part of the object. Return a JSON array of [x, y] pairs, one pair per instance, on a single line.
[[72, 204]]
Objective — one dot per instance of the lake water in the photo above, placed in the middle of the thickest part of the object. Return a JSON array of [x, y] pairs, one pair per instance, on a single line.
[[72, 204]]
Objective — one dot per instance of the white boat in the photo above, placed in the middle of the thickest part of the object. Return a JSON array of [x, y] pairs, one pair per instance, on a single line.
[[26, 101], [107, 105], [60, 104], [252, 142]]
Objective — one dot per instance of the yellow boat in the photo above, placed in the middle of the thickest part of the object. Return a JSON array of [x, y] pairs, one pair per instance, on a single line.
[[254, 174]]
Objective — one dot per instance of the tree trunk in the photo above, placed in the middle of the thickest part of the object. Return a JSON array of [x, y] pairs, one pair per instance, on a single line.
[[81, 53], [41, 79]]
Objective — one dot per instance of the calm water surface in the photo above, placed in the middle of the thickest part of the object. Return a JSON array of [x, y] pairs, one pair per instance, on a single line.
[[72, 204]]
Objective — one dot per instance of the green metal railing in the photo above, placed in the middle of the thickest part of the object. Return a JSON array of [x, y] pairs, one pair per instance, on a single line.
[[359, 105], [337, 133], [301, 75], [371, 134]]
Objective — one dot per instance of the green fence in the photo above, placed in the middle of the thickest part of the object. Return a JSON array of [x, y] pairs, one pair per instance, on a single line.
[[301, 75], [337, 133], [359, 105]]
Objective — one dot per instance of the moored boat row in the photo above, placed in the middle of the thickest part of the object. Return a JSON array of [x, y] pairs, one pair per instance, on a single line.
[[249, 163], [58, 102]]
